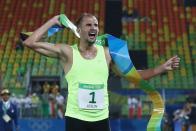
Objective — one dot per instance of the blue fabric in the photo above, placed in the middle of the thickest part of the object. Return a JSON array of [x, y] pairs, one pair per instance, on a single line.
[[53, 30], [116, 47]]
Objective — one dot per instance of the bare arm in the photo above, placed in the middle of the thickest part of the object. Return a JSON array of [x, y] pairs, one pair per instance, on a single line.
[[45, 48], [170, 64]]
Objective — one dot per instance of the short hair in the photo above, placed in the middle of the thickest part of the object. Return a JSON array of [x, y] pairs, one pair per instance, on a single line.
[[79, 20]]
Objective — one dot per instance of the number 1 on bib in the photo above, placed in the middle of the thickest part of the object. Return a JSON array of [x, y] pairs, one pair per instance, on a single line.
[[93, 97]]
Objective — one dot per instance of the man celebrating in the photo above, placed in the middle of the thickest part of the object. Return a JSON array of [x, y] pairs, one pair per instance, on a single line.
[[86, 66]]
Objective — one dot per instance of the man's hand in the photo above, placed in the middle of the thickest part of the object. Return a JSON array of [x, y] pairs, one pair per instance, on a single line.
[[169, 65], [172, 63]]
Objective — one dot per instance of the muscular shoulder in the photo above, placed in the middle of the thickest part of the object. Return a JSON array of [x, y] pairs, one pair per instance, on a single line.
[[66, 51]]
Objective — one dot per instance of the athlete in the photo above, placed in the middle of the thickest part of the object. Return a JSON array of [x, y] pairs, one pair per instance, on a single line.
[[86, 66]]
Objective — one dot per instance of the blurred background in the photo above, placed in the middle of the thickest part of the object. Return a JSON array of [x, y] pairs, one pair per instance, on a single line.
[[155, 31]]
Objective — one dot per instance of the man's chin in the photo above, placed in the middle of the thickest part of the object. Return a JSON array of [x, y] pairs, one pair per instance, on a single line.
[[91, 41]]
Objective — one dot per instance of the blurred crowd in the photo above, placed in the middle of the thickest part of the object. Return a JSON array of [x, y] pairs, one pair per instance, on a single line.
[[49, 104], [186, 116]]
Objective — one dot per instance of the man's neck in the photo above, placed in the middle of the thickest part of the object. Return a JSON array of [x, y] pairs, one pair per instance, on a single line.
[[85, 46], [88, 51]]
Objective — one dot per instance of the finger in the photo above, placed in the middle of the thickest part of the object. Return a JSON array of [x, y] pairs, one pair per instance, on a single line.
[[175, 67], [176, 60], [174, 57], [176, 64]]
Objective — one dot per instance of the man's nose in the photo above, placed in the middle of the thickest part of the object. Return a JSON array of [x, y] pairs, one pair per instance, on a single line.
[[93, 27]]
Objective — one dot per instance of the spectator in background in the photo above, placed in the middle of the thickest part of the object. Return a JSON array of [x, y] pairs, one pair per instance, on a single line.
[[8, 113], [192, 101], [52, 102], [182, 115], [135, 106], [26, 103], [56, 102], [131, 106], [139, 109], [45, 99], [59, 101], [35, 105]]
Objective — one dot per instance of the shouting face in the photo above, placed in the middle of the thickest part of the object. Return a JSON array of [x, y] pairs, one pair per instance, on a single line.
[[88, 29]]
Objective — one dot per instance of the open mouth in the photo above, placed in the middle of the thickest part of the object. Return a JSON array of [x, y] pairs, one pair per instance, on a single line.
[[92, 35]]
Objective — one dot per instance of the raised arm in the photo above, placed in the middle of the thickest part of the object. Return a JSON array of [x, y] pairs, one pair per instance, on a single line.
[[45, 48], [170, 64], [146, 74]]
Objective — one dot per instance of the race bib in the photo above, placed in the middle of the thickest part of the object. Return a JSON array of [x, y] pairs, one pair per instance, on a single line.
[[91, 96]]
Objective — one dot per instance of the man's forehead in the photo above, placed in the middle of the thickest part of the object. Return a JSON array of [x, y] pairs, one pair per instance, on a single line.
[[90, 19]]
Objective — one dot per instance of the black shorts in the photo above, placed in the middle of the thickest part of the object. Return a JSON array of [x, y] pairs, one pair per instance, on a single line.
[[73, 124]]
